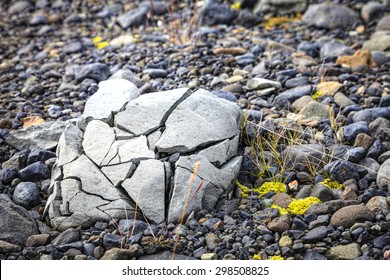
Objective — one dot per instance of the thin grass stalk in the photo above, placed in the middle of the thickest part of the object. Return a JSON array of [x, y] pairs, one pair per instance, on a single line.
[[181, 219]]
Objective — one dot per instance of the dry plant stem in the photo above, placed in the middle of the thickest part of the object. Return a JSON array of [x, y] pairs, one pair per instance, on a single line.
[[181, 219], [135, 212]]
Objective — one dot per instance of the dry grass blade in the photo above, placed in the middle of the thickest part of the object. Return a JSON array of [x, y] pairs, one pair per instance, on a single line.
[[181, 219]]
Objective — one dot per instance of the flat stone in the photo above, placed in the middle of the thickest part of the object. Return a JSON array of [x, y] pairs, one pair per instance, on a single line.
[[293, 94], [132, 150], [166, 255], [344, 252], [96, 71], [260, 83], [316, 109], [342, 100], [153, 139], [301, 157], [147, 189], [95, 146], [137, 118], [370, 115], [352, 130], [280, 7], [378, 204], [69, 145], [220, 153], [378, 43], [330, 16], [111, 97], [44, 136], [119, 172], [223, 121], [93, 181], [315, 234], [207, 187], [35, 172], [349, 215], [123, 254], [8, 248]]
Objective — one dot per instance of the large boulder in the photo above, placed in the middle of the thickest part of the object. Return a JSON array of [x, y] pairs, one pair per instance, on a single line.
[[162, 155]]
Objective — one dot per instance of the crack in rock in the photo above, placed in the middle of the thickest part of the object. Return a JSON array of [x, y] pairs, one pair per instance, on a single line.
[[140, 153]]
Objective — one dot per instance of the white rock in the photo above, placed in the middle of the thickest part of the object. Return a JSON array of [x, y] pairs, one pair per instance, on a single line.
[[69, 189], [132, 150], [87, 204], [147, 188], [153, 138], [199, 120], [149, 111], [69, 145], [122, 40], [119, 172], [98, 139], [112, 96], [43, 136], [219, 153], [260, 83], [208, 185], [92, 180]]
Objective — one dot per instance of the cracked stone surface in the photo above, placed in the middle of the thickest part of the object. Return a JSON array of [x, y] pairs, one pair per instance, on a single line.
[[111, 97], [141, 152]]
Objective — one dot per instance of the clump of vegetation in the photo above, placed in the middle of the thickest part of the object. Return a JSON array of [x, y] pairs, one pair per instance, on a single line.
[[282, 211], [334, 185], [277, 187], [276, 258], [256, 257], [244, 190], [317, 95], [300, 206]]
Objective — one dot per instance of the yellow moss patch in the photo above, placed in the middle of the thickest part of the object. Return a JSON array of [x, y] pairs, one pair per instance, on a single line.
[[282, 211], [256, 257], [317, 95], [236, 6], [97, 39], [102, 45], [276, 258], [300, 206], [332, 184], [244, 190], [265, 188]]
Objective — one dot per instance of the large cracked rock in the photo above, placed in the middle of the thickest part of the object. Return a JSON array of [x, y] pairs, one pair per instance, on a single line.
[[132, 154]]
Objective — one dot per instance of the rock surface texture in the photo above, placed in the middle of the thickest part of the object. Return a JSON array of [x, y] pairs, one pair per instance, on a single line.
[[162, 154]]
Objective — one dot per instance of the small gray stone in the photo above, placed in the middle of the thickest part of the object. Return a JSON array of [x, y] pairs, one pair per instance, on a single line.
[[69, 236], [383, 178], [293, 94], [322, 193], [352, 130], [372, 10], [330, 16], [301, 157], [35, 172], [8, 248], [260, 83], [44, 136], [378, 203], [26, 194], [370, 115], [345, 252], [334, 49], [341, 171], [123, 254], [349, 215], [315, 235], [16, 223], [96, 71], [378, 42], [316, 109]]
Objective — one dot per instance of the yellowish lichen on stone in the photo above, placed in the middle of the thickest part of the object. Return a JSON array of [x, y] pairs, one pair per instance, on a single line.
[[244, 190], [276, 258], [282, 211], [332, 184], [277, 187], [300, 206], [256, 257]]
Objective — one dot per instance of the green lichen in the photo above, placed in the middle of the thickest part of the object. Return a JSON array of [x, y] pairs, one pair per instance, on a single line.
[[334, 185], [317, 95], [276, 258], [282, 211], [300, 206], [265, 188]]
